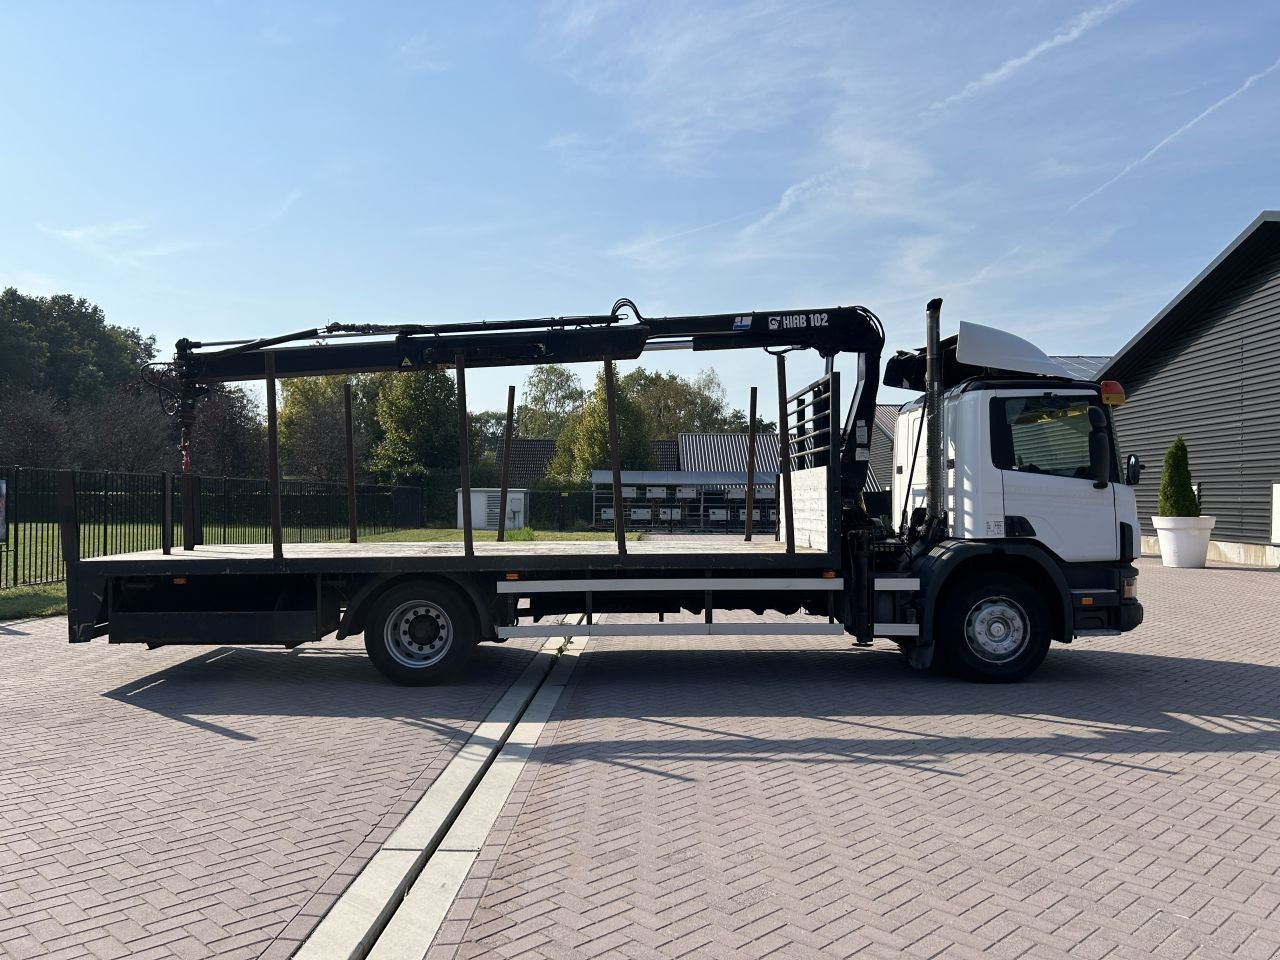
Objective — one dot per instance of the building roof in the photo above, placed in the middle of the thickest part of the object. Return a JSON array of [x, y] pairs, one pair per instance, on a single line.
[[1219, 276], [1083, 367], [727, 452], [529, 459], [666, 454]]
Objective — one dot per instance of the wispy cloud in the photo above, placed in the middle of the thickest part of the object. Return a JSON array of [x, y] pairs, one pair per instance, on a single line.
[[121, 242], [1068, 33], [281, 209], [655, 248], [423, 53], [872, 179], [687, 78], [1134, 164]]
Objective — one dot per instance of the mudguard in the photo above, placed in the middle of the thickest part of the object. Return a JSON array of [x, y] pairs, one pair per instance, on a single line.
[[352, 621], [936, 568]]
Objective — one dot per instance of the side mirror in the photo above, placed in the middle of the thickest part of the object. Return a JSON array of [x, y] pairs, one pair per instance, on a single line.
[[1133, 468], [1099, 448]]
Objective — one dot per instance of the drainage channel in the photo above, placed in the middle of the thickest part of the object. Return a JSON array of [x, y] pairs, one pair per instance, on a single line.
[[395, 905]]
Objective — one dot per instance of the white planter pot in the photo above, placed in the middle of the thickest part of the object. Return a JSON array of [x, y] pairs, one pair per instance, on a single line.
[[1184, 541]]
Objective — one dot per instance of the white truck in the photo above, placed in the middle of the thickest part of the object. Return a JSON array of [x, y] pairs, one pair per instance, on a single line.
[[1009, 525]]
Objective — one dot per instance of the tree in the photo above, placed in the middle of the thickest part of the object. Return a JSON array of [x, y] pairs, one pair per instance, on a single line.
[[1177, 495], [487, 429], [674, 404], [552, 394], [33, 429], [230, 437], [313, 440], [140, 437], [63, 346], [418, 414], [583, 444], [736, 421]]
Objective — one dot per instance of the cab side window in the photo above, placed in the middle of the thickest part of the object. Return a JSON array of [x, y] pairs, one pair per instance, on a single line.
[[1041, 435]]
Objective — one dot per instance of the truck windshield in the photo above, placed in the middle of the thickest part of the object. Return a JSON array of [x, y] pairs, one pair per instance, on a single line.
[[1041, 435]]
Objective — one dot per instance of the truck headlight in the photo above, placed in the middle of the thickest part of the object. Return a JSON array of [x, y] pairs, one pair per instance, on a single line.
[[1129, 588]]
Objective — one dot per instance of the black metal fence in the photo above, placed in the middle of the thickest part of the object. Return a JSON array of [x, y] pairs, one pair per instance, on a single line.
[[124, 512]]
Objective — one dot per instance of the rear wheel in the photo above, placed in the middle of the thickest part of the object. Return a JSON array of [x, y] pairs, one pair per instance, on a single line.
[[993, 628], [420, 633]]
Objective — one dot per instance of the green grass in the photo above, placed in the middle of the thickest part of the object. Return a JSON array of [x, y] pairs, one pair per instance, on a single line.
[[47, 600], [449, 535]]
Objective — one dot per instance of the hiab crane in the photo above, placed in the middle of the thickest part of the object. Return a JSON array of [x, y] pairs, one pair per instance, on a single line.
[[1011, 527]]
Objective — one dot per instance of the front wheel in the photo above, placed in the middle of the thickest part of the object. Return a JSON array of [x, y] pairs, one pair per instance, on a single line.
[[993, 628], [420, 633]]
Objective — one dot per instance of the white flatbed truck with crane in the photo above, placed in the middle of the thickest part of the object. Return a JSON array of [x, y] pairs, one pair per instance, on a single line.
[[1010, 528]]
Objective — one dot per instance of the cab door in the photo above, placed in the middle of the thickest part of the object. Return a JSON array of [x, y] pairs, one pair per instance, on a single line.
[[1040, 445]]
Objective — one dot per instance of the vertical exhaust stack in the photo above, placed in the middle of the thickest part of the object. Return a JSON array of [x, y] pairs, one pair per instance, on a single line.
[[933, 413]]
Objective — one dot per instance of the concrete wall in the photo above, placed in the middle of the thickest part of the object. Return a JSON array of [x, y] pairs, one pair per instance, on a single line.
[[1225, 551]]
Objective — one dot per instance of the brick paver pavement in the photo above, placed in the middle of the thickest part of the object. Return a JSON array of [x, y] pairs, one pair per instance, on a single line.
[[770, 797], [197, 802]]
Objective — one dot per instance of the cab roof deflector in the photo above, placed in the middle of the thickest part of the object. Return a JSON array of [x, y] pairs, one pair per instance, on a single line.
[[979, 346]]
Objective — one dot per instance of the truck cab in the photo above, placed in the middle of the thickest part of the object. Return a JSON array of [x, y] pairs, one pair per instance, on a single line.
[[1032, 485]]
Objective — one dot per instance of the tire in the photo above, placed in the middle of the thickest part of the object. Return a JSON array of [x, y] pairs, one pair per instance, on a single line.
[[992, 628], [420, 633]]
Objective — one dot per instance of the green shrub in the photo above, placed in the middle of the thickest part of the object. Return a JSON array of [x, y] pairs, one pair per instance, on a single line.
[[1177, 495], [522, 533]]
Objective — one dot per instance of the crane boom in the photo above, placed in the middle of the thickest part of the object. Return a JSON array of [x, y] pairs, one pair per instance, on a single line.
[[340, 349]]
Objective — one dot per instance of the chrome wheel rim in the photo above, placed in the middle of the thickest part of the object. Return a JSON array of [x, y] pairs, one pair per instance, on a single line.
[[997, 629], [418, 634]]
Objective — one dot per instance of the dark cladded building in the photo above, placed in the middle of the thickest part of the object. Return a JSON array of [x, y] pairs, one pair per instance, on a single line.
[[1208, 368]]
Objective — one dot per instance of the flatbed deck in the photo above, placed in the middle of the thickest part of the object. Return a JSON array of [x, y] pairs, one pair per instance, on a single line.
[[664, 551]]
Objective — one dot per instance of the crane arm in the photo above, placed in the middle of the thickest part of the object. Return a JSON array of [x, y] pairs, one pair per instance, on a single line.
[[348, 348], [622, 334]]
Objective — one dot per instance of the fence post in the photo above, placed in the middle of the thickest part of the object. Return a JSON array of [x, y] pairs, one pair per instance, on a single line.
[[166, 513], [14, 532], [187, 491], [106, 509], [197, 508], [68, 522]]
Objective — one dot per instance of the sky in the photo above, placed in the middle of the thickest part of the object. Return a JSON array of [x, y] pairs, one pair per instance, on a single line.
[[1060, 169]]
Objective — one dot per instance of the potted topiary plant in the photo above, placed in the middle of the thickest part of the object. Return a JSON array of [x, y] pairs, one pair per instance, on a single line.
[[1183, 532]]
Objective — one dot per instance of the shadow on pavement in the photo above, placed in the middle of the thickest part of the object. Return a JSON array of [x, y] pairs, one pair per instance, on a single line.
[[311, 682], [1096, 704]]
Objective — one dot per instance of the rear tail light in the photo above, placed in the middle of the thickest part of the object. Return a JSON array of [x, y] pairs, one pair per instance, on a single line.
[[1129, 588]]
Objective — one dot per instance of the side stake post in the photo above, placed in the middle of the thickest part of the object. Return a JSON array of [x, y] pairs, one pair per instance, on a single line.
[[464, 455]]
